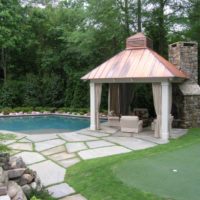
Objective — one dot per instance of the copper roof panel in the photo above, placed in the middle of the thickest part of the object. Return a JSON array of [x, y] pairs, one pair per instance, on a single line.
[[135, 63]]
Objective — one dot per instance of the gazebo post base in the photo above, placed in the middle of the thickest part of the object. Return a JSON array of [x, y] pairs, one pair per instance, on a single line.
[[165, 111], [93, 125]]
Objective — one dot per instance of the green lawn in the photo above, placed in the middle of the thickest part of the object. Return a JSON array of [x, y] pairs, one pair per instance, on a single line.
[[173, 174], [4, 137], [112, 178]]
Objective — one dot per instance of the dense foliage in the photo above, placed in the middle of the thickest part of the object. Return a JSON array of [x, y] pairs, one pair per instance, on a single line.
[[47, 45]]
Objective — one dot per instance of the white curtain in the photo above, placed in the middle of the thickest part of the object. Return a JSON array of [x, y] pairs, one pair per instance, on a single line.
[[98, 90], [170, 119], [113, 98], [157, 99]]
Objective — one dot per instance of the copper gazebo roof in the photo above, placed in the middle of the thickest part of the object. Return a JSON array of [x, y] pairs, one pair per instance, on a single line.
[[138, 60]]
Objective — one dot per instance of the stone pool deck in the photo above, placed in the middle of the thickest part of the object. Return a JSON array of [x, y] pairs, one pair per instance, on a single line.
[[50, 154]]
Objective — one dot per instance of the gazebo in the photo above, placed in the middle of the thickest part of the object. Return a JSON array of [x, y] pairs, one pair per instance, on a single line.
[[138, 63]]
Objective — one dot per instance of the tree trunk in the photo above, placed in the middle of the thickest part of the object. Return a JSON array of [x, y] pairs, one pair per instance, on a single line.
[[161, 28], [139, 21], [3, 63], [127, 18]]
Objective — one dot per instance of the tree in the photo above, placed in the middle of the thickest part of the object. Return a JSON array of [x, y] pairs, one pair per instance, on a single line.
[[161, 17], [10, 19]]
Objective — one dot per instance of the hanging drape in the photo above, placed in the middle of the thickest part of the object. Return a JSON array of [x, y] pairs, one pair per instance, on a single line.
[[98, 90], [126, 98], [113, 98], [170, 119], [157, 99]]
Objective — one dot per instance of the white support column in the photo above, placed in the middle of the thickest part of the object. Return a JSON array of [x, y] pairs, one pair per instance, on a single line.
[[165, 109], [93, 125]]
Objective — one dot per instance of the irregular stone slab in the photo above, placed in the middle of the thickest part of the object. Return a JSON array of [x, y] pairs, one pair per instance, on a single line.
[[41, 137], [74, 197], [151, 138], [5, 197], [108, 129], [131, 142], [122, 134], [12, 152], [30, 157], [49, 172], [61, 156], [60, 190], [15, 173], [93, 133], [76, 146], [102, 152], [69, 162], [75, 137], [54, 150], [22, 146], [100, 143], [41, 146], [24, 140], [7, 142]]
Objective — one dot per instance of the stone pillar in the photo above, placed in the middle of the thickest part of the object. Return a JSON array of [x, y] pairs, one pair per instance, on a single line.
[[165, 111], [184, 55], [93, 125], [186, 96]]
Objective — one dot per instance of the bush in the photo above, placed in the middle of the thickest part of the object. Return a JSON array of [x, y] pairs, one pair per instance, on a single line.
[[39, 109], [53, 87], [33, 93], [39, 195], [34, 198], [52, 109], [8, 95], [7, 110]]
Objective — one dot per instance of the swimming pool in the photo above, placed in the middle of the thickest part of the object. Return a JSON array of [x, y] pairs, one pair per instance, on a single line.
[[27, 123]]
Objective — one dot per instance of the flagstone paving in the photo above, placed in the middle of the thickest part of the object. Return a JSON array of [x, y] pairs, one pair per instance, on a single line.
[[75, 137], [60, 190], [54, 150], [49, 172], [41, 146], [99, 143], [74, 147], [51, 154], [31, 157], [74, 197], [62, 156], [69, 162], [22, 146]]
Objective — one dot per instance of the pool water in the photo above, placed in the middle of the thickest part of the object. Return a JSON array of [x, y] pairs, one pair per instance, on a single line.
[[43, 122]]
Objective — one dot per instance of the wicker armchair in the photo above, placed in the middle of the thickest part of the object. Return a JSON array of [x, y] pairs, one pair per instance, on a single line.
[[131, 124]]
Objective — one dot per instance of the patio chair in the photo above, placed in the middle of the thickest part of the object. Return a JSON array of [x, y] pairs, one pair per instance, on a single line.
[[131, 124], [171, 118], [113, 121]]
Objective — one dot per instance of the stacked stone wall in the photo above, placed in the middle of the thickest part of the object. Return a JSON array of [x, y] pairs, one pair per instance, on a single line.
[[184, 55], [186, 104]]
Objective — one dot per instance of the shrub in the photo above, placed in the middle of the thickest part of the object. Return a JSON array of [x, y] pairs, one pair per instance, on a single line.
[[39, 109], [33, 92], [27, 109], [53, 87], [52, 109], [18, 109], [39, 195], [7, 110], [8, 95], [34, 198]]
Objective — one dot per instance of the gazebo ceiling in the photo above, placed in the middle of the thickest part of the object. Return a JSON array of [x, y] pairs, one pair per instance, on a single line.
[[138, 60]]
